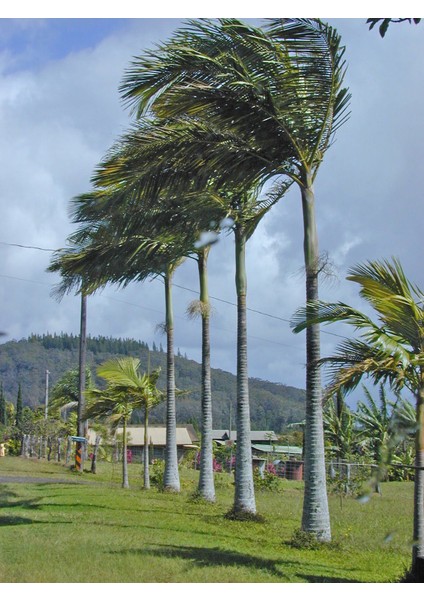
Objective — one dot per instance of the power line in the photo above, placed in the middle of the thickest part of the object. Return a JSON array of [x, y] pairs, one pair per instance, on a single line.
[[31, 247], [259, 312]]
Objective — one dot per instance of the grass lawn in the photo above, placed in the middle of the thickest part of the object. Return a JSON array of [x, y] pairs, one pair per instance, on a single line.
[[98, 532]]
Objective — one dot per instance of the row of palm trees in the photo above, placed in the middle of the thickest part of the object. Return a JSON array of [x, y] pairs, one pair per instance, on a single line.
[[227, 117]]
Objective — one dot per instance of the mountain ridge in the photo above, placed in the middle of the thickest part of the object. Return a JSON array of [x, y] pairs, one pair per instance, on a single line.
[[272, 405]]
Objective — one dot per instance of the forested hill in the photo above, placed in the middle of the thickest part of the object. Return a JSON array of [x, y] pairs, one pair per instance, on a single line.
[[25, 362]]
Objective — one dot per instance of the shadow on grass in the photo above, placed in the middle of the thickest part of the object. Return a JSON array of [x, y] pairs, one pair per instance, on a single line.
[[325, 579], [8, 520], [8, 499], [217, 557]]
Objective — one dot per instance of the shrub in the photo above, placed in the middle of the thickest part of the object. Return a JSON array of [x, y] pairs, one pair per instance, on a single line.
[[157, 471], [270, 480], [304, 540]]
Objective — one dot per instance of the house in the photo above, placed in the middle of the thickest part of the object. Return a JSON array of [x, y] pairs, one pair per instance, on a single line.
[[186, 439]]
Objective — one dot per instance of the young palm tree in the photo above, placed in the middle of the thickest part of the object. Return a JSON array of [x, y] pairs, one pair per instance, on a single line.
[[65, 392], [340, 431], [127, 389], [277, 93], [377, 426], [389, 351], [115, 406], [151, 399], [125, 375]]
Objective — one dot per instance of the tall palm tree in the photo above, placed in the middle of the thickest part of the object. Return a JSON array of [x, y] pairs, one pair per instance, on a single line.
[[206, 486], [277, 92], [125, 173], [82, 425], [389, 350], [82, 371]]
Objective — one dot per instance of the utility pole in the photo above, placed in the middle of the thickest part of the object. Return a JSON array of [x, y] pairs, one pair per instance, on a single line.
[[46, 405]]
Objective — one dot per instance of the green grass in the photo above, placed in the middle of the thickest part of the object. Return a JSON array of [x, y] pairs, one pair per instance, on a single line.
[[98, 532]]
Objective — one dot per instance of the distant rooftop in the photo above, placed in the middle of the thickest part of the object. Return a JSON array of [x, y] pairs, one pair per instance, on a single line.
[[255, 436]]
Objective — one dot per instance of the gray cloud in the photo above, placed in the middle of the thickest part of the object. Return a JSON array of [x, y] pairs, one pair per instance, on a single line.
[[60, 114]]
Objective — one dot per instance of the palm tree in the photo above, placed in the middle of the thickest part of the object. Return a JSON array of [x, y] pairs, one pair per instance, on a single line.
[[133, 170], [377, 426], [340, 430], [121, 181], [206, 486], [388, 351], [125, 375], [64, 395], [82, 425], [151, 399], [275, 96]]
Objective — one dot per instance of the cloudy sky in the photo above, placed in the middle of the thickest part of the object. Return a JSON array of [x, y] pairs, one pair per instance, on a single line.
[[60, 111]]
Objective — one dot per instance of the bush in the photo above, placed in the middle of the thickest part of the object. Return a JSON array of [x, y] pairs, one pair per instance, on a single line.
[[306, 540], [238, 515], [157, 471], [270, 480]]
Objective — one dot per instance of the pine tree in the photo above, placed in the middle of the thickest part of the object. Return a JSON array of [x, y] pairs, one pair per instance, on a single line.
[[19, 408], [3, 413]]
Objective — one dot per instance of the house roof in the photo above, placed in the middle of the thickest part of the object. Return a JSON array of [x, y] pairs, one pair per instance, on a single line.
[[255, 436], [157, 436], [269, 448], [192, 432]]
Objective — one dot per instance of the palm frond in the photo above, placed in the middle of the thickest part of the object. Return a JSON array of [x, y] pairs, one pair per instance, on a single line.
[[282, 84]]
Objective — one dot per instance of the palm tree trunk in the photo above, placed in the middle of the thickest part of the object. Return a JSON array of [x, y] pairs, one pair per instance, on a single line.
[[418, 547], [206, 478], [244, 498], [171, 476], [315, 518], [146, 449], [80, 448], [125, 483]]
